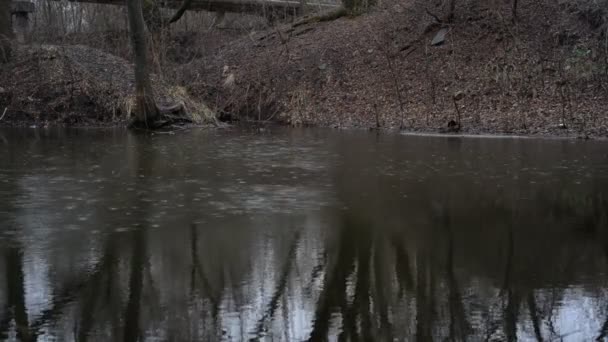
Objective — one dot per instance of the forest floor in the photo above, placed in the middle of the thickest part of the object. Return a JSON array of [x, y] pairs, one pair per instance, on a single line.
[[545, 74]]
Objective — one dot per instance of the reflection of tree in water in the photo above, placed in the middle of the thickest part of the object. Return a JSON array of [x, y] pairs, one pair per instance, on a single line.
[[359, 286], [459, 262], [481, 231], [353, 251], [15, 306], [94, 294]]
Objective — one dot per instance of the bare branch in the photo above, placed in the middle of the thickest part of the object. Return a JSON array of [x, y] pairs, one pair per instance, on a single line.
[[180, 11]]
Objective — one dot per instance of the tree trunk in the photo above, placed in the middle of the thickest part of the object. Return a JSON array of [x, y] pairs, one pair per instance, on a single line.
[[452, 8], [146, 111], [6, 31]]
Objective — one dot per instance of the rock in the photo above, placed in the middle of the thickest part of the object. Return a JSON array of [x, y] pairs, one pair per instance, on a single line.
[[2, 90], [440, 37], [459, 95], [323, 66]]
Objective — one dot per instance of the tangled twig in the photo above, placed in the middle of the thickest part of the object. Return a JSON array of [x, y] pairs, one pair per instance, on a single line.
[[3, 114]]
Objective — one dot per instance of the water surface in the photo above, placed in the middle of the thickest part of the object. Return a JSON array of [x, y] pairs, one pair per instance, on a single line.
[[295, 235]]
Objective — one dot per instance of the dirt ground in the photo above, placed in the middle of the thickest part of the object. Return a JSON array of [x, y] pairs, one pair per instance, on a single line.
[[545, 74]]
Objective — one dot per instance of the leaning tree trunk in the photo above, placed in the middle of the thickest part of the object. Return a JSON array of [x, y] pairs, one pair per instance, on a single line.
[[146, 111], [6, 31]]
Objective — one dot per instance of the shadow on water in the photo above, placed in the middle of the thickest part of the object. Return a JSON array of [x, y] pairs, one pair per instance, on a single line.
[[301, 235]]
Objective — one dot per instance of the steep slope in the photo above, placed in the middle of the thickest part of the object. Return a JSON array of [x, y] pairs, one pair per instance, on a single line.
[[544, 74]]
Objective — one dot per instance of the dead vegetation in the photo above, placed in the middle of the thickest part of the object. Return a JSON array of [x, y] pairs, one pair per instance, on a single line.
[[545, 73], [79, 85]]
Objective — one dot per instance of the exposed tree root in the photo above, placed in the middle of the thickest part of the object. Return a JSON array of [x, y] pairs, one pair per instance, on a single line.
[[169, 115]]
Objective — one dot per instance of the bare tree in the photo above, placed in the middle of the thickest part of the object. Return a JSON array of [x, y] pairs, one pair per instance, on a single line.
[[6, 31], [146, 111]]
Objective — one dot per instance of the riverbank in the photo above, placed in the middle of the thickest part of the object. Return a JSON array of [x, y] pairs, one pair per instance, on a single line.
[[77, 85], [544, 75]]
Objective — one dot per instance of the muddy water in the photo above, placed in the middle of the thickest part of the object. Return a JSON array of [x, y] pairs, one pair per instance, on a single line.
[[296, 235]]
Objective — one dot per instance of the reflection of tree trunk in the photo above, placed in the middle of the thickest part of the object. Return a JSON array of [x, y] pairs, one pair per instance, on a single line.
[[67, 296], [280, 289], [193, 256], [534, 316], [507, 280], [334, 286], [16, 293], [361, 304], [510, 314], [132, 312], [94, 293], [423, 309], [600, 221], [207, 289], [198, 273], [402, 267], [359, 314], [380, 286], [458, 323], [604, 329], [5, 323], [511, 310]]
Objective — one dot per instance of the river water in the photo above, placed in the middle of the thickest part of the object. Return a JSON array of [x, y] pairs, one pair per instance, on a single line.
[[294, 235]]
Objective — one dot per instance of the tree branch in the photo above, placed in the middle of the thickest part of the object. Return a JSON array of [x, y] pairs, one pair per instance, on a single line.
[[180, 11], [433, 15]]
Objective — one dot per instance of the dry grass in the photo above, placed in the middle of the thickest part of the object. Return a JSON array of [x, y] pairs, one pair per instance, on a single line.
[[79, 85]]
